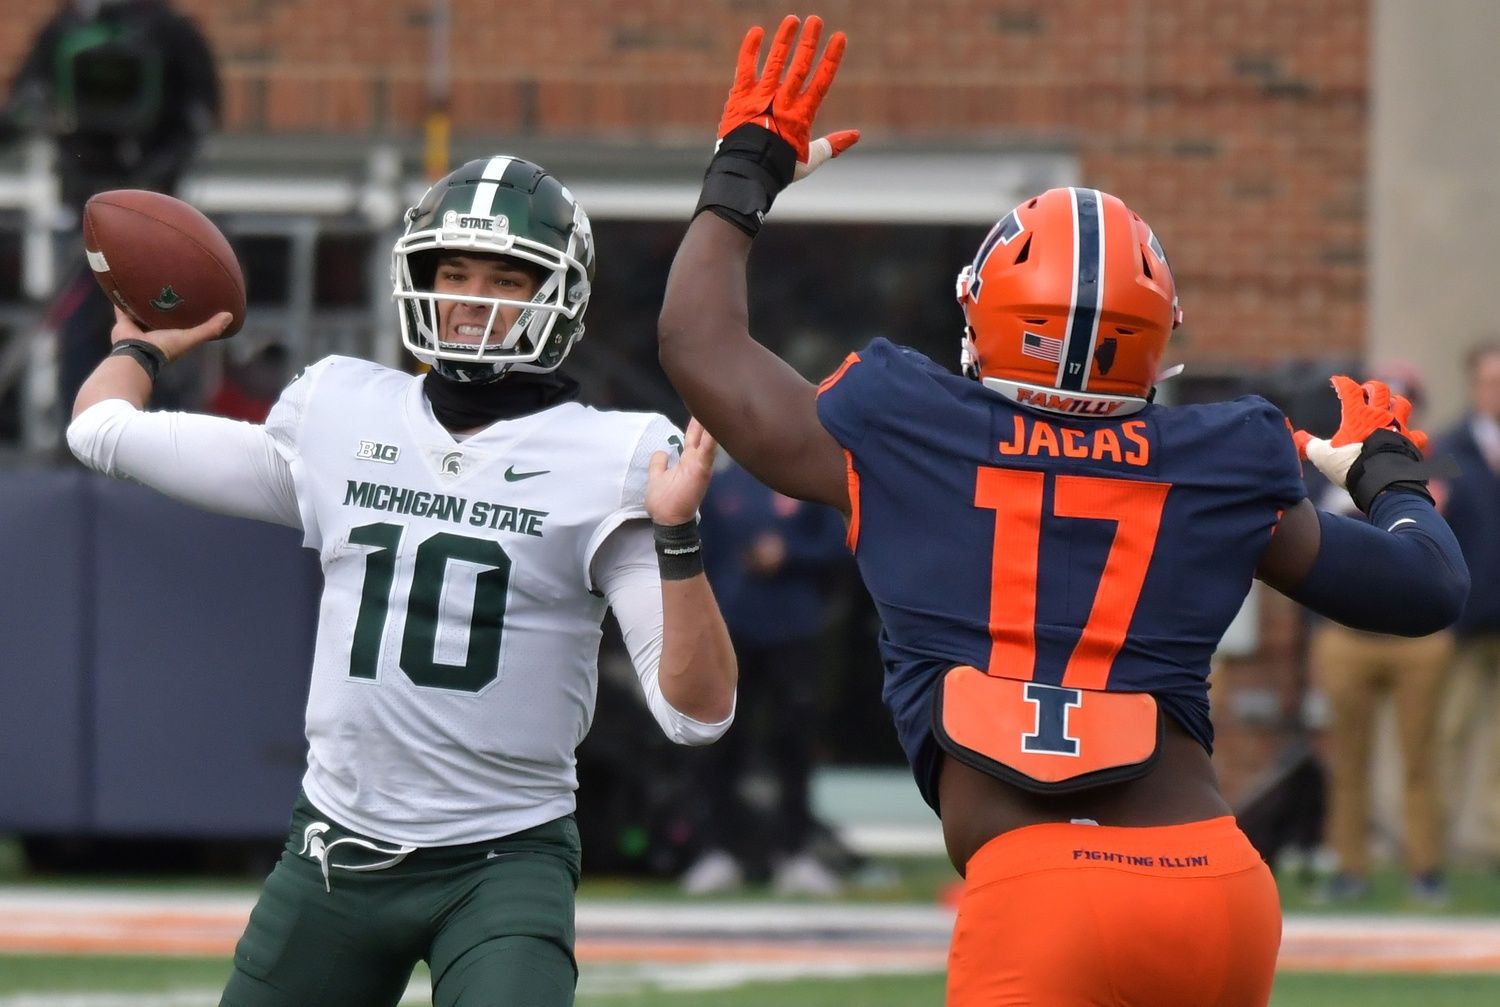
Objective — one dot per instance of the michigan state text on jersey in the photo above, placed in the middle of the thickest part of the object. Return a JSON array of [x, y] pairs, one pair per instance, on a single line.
[[473, 524]]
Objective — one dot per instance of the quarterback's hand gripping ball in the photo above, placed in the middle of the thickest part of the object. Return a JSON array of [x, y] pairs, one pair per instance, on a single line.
[[162, 261], [782, 105]]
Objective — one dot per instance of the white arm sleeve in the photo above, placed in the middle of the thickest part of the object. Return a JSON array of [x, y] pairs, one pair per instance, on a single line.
[[218, 464], [624, 568]]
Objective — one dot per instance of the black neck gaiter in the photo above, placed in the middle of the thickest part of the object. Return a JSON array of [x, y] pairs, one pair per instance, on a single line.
[[462, 405]]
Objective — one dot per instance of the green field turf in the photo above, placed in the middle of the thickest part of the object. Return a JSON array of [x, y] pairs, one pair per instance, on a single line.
[[41, 981], [77, 976], [1475, 890]]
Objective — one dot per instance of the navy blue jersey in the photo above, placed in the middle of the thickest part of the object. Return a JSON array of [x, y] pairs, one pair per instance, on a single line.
[[1101, 553]]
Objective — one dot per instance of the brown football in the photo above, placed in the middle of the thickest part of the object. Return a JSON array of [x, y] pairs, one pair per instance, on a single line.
[[162, 260]]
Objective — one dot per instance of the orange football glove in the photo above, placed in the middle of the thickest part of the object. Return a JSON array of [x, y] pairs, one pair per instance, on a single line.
[[1364, 409], [782, 105]]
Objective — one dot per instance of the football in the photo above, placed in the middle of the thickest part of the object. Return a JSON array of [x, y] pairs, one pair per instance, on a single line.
[[161, 260]]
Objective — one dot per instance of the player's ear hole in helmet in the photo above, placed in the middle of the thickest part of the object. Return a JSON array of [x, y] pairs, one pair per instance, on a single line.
[[508, 207], [1068, 305]]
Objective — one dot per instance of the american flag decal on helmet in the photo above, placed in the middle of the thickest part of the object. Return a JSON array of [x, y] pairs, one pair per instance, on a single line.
[[1041, 347]]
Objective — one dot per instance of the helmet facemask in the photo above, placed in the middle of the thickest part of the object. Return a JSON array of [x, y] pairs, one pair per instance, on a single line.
[[559, 247]]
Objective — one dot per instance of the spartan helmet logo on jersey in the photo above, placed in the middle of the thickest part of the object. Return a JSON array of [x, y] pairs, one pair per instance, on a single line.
[[500, 206], [1068, 303]]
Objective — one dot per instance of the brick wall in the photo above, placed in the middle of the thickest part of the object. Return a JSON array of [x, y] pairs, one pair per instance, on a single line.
[[1236, 127]]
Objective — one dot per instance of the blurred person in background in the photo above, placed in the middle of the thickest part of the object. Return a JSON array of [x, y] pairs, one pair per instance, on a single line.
[[474, 524], [770, 559], [1054, 557], [128, 90], [1472, 703], [250, 381], [1361, 674]]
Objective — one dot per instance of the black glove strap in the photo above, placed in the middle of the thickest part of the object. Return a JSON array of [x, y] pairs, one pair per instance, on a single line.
[[148, 355], [1388, 461], [679, 550], [749, 168]]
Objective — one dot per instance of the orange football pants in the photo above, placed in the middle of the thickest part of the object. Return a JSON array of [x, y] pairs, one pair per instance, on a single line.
[[1077, 915]]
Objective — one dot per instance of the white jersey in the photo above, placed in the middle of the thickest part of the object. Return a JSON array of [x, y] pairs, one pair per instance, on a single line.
[[456, 662]]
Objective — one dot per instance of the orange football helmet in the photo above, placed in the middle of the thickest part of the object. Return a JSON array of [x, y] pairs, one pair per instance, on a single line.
[[1068, 303]]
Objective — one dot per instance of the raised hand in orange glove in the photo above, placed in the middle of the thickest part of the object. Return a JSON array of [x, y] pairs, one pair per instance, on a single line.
[[1373, 448], [781, 105], [765, 134]]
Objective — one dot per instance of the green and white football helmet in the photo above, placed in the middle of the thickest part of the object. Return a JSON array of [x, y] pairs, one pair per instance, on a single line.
[[505, 206]]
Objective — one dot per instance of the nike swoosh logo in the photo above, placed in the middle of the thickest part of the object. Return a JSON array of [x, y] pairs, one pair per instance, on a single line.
[[512, 476]]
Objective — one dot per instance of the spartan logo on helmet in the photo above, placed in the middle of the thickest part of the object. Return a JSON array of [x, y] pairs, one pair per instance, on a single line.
[[507, 206]]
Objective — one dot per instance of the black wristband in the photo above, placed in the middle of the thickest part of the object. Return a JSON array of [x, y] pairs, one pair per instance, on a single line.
[[749, 168], [1389, 461], [679, 550], [148, 355]]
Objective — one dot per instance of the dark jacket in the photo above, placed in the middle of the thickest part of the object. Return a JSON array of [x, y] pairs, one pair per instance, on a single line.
[[127, 93], [785, 606], [1472, 509]]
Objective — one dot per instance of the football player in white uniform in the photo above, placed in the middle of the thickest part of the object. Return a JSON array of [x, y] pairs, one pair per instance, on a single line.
[[473, 524]]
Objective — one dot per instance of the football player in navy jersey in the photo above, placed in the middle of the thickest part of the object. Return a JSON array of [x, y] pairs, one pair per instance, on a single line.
[[1054, 558]]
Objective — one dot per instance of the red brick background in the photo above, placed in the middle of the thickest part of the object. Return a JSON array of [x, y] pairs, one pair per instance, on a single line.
[[1236, 127]]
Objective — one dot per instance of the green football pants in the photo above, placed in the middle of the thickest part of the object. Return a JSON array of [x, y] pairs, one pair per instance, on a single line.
[[493, 921]]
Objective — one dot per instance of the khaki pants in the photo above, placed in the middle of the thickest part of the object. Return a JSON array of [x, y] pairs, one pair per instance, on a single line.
[[1471, 719], [1358, 672]]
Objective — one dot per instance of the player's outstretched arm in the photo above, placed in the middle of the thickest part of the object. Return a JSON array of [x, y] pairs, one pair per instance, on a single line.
[[1401, 572], [759, 408], [698, 671], [218, 464]]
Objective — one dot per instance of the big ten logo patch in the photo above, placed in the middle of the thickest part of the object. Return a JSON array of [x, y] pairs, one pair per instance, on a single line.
[[374, 451]]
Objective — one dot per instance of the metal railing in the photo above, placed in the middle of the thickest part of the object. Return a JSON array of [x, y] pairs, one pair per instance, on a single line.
[[358, 192]]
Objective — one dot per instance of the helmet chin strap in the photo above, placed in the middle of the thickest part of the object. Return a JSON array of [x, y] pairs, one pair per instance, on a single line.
[[968, 355], [465, 373]]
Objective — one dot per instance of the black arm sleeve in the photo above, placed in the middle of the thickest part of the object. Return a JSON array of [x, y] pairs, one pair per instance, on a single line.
[[192, 109], [1400, 573]]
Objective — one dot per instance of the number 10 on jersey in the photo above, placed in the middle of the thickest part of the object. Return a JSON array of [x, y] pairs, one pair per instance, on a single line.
[[424, 599]]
